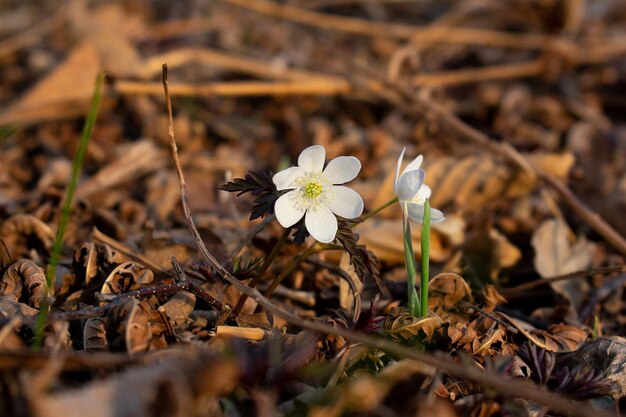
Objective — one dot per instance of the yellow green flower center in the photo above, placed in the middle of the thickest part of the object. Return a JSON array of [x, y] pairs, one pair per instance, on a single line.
[[312, 189]]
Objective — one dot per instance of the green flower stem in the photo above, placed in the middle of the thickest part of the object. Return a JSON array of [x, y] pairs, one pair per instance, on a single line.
[[264, 267], [425, 240], [409, 265], [77, 165], [379, 209]]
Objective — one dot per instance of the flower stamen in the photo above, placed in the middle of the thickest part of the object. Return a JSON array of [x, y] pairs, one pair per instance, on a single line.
[[312, 189]]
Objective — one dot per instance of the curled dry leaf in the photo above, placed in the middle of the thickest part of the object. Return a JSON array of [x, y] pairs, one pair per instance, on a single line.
[[18, 228], [491, 298], [179, 308], [5, 255], [406, 326], [128, 326], [95, 335], [23, 274], [558, 338], [127, 276], [86, 262], [469, 340], [445, 292]]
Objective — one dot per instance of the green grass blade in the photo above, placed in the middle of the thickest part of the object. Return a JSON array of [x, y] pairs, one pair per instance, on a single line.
[[411, 272], [425, 241], [77, 165]]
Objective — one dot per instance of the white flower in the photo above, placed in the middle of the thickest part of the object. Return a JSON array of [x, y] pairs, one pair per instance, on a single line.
[[315, 193], [412, 192]]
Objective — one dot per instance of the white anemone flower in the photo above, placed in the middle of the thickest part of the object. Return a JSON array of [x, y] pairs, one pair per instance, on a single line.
[[316, 193], [412, 192]]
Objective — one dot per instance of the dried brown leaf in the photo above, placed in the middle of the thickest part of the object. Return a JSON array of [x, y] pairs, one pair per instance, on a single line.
[[18, 228], [128, 276], [179, 308], [555, 255], [95, 335], [558, 338], [5, 256], [23, 273], [446, 291], [406, 326], [128, 326], [491, 298], [468, 339], [64, 92], [86, 262]]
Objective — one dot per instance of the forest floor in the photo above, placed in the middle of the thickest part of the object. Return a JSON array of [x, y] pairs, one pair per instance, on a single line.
[[135, 306]]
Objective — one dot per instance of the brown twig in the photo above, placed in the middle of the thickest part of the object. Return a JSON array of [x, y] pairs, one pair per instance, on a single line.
[[523, 389], [185, 285], [508, 327], [461, 36], [229, 62], [471, 75], [239, 88], [512, 291]]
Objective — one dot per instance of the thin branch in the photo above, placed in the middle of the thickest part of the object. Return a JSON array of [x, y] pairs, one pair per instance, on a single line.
[[240, 88], [512, 291]]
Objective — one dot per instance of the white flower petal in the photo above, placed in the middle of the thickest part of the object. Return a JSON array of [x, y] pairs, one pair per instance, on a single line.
[[416, 213], [414, 165], [284, 179], [321, 223], [345, 202], [422, 194], [395, 181], [312, 159], [409, 184], [287, 209], [436, 216], [342, 169]]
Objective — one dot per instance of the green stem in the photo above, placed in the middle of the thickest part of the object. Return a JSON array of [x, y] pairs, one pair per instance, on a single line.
[[266, 264], [425, 240], [379, 209], [409, 265], [77, 165]]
